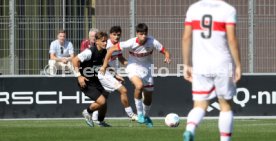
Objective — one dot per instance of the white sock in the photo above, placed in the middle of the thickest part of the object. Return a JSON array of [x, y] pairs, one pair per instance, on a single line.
[[129, 111], [95, 115], [194, 118], [139, 106], [225, 125], [146, 109]]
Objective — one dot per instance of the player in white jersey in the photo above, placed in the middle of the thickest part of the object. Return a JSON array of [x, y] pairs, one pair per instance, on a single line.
[[138, 68], [114, 38], [210, 25], [111, 83]]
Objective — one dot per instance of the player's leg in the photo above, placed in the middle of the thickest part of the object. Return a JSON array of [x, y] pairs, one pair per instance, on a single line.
[[101, 116], [225, 120], [135, 73], [96, 94], [225, 89], [138, 84], [202, 89], [194, 118], [97, 105], [111, 84], [125, 102], [95, 115], [147, 92], [146, 107], [147, 102]]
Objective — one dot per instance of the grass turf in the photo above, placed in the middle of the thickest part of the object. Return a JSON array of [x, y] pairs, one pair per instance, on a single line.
[[124, 130]]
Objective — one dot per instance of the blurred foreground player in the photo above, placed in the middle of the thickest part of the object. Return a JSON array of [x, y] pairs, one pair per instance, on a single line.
[[210, 25]]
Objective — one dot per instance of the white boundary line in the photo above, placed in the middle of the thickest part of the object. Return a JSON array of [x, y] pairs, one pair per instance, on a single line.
[[124, 118]]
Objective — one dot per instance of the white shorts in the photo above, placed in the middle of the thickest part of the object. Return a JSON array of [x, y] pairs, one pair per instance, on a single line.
[[206, 87], [108, 81], [143, 72]]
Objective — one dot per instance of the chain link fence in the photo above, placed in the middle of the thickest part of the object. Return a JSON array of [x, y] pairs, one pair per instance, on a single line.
[[35, 23]]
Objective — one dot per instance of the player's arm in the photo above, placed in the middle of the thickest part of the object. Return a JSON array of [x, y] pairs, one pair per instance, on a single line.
[[163, 50], [76, 64], [186, 47], [122, 60], [167, 55], [234, 49], [108, 57]]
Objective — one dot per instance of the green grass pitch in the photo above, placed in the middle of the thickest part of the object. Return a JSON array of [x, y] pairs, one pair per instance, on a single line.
[[124, 130]]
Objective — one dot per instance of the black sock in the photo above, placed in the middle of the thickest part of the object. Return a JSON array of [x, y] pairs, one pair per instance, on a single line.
[[89, 110], [101, 118]]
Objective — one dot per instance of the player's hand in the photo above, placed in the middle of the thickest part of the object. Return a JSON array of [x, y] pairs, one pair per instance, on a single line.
[[102, 70], [82, 80], [167, 60], [238, 73], [188, 73]]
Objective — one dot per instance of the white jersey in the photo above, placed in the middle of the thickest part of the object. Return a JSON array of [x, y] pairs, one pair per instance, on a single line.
[[208, 19], [113, 61], [141, 54]]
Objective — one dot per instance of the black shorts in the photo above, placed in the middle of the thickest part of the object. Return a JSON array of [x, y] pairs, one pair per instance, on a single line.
[[94, 90]]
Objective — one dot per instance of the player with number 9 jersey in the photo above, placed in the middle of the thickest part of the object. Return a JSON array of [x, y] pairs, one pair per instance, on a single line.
[[210, 47]]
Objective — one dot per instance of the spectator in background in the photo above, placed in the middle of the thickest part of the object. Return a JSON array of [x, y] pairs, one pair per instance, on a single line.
[[87, 43], [61, 54]]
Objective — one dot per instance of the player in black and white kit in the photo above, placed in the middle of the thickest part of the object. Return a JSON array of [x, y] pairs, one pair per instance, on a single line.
[[86, 66]]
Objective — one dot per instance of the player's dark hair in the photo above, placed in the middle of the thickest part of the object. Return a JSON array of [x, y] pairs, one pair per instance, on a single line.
[[115, 29], [100, 35], [141, 27]]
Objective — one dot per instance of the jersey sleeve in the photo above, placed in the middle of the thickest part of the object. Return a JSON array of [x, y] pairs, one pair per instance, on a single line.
[[85, 55], [125, 44], [188, 19], [231, 18], [158, 46]]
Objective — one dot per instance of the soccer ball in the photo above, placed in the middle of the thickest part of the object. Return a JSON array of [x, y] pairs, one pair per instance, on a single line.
[[172, 120]]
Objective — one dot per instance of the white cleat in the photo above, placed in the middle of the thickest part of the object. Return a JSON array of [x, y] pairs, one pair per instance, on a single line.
[[88, 118]]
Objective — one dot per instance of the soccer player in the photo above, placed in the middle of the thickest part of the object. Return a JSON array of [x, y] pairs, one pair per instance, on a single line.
[[114, 38], [86, 66], [108, 81], [138, 68], [87, 43], [210, 28]]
